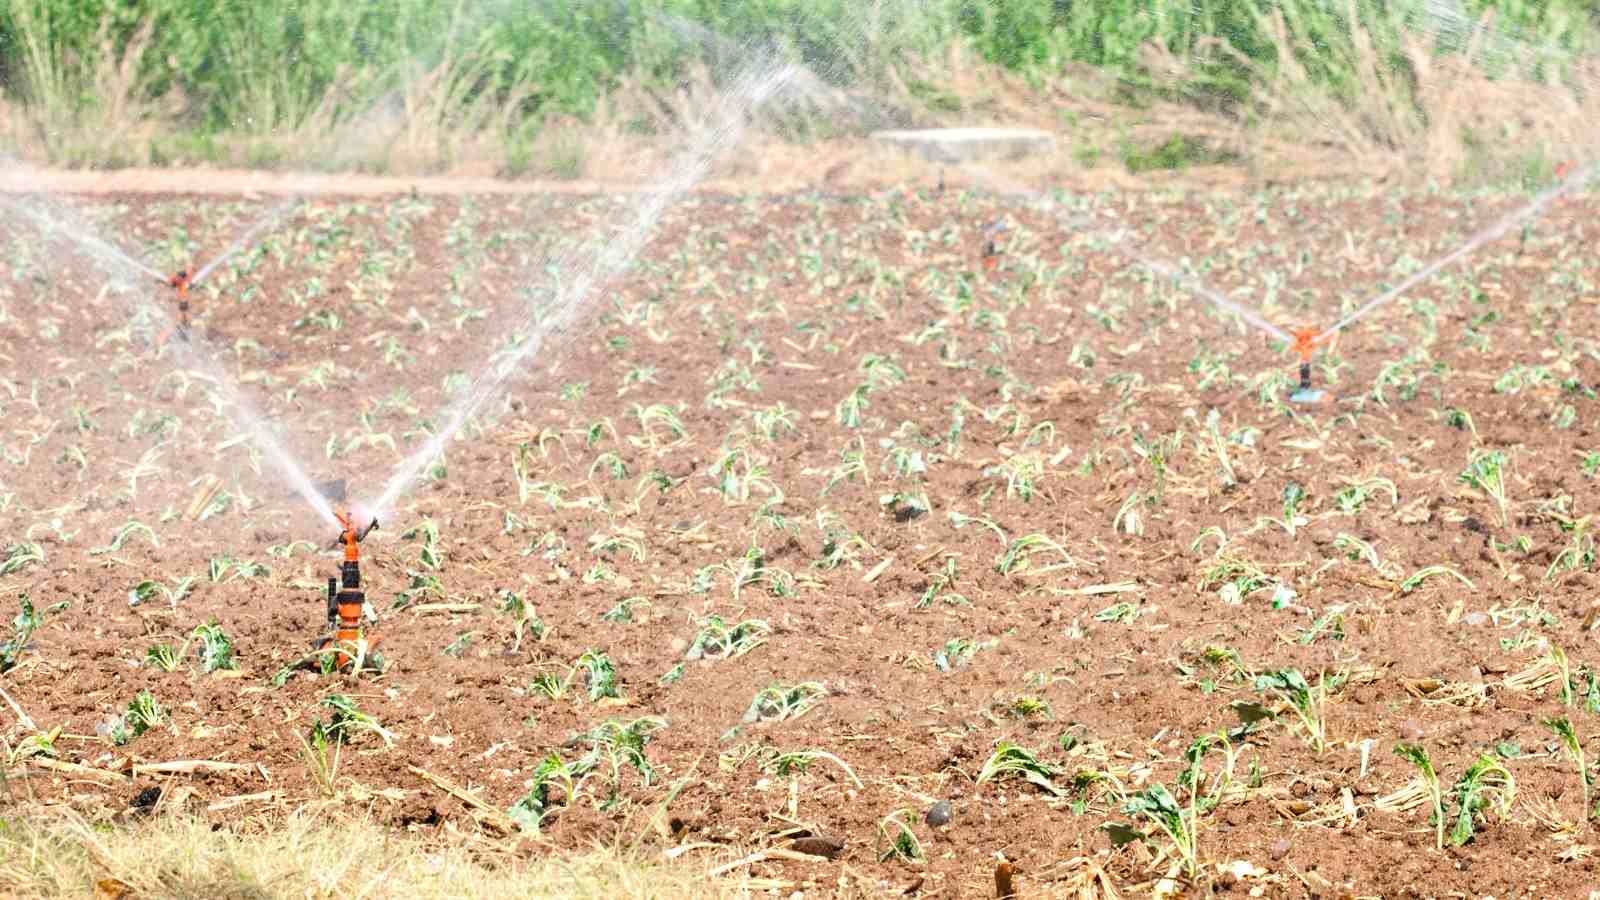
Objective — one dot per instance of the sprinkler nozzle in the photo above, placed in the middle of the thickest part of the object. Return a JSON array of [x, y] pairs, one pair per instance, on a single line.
[[353, 533], [179, 281], [1305, 342], [1305, 345], [991, 246]]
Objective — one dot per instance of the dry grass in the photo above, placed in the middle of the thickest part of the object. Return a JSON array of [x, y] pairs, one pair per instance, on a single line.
[[1442, 118], [302, 856]]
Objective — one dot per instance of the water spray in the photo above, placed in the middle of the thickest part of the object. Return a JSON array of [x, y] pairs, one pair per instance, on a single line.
[[1492, 233], [1304, 341], [182, 280], [117, 264], [750, 92]]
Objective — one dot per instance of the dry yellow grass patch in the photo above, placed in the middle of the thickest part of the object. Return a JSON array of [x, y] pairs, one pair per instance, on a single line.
[[304, 856]]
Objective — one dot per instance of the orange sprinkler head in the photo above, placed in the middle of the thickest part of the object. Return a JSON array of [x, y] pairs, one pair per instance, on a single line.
[[991, 244], [1305, 344], [352, 535], [1306, 341], [179, 281]]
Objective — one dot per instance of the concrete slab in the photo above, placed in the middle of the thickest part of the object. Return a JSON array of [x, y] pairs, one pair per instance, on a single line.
[[958, 145]]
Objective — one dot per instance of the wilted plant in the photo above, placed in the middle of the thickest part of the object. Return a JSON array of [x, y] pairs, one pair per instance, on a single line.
[[791, 763], [526, 620], [22, 629], [1569, 741], [1294, 495], [717, 639], [896, 839], [619, 744], [600, 674], [1486, 471], [1306, 701], [162, 656], [143, 714], [1157, 804], [785, 701], [1487, 783], [1417, 756], [530, 811], [20, 555], [1010, 760], [216, 650], [345, 720]]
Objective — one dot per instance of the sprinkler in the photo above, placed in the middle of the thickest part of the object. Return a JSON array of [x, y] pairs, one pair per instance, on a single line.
[[345, 597], [991, 247], [180, 282], [1305, 344]]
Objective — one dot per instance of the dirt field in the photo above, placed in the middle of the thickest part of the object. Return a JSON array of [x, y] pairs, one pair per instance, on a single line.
[[843, 510]]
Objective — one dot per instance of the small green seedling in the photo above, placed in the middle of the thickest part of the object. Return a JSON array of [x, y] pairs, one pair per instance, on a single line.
[[1486, 471], [1569, 741], [22, 629], [600, 674], [896, 840], [1486, 784], [1157, 804], [957, 652], [1012, 761], [1417, 756], [216, 650], [1306, 701], [530, 811], [345, 720]]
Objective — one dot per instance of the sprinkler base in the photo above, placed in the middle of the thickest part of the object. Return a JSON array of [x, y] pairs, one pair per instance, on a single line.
[[1306, 395], [328, 658]]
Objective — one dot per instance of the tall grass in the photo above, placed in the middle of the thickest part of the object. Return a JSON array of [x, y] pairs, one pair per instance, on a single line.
[[120, 81]]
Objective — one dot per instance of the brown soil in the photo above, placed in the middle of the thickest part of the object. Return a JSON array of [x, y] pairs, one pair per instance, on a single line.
[[759, 168], [1104, 652]]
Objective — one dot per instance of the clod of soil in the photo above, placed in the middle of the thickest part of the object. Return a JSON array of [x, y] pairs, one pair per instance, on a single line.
[[818, 845]]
